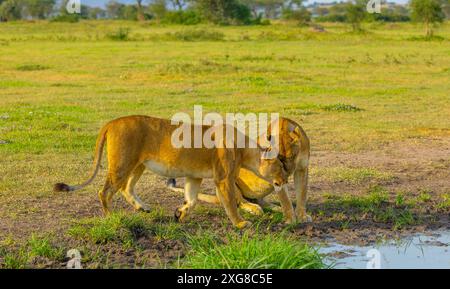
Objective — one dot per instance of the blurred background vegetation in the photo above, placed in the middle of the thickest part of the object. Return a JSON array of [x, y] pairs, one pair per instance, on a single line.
[[234, 12]]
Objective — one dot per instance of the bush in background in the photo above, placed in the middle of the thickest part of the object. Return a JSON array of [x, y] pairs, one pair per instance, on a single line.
[[189, 17]]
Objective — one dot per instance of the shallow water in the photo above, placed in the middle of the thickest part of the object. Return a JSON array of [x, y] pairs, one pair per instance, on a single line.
[[416, 251]]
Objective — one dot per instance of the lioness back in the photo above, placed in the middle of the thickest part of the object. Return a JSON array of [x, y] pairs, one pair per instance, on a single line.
[[144, 139]]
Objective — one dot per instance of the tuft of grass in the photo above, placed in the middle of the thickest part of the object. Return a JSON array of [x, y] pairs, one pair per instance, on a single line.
[[365, 203], [31, 67], [255, 81], [19, 257], [125, 228], [197, 35], [14, 260], [341, 107], [400, 199], [444, 204], [69, 18], [376, 205], [424, 196], [121, 34], [267, 251], [426, 38], [42, 247], [118, 227], [353, 175], [166, 231]]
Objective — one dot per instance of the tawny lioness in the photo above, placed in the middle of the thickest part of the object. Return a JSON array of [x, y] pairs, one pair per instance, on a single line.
[[294, 153], [138, 142]]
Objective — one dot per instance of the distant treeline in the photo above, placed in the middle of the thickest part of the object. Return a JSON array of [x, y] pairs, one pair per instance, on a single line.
[[227, 12]]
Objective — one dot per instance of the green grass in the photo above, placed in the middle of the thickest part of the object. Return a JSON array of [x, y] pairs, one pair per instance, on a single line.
[[120, 35], [42, 247], [351, 175], [267, 251], [60, 82], [19, 256], [31, 67], [14, 260], [197, 35], [159, 75], [341, 107], [444, 203], [375, 205], [125, 228], [425, 196]]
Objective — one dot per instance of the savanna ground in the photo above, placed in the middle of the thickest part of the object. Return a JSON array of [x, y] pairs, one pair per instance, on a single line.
[[375, 105]]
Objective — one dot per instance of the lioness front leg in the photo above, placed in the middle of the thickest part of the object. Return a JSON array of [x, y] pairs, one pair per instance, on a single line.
[[226, 193], [286, 206], [301, 187], [191, 189]]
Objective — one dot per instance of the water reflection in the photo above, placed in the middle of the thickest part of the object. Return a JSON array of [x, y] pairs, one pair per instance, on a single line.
[[417, 251]]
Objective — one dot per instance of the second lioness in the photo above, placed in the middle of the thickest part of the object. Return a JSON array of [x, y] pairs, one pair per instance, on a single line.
[[294, 153], [138, 142]]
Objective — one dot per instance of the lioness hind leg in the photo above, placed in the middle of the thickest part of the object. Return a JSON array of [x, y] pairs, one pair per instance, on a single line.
[[105, 195], [191, 189], [129, 193]]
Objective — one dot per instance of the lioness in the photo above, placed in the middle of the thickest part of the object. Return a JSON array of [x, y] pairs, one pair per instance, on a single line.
[[138, 142], [294, 153]]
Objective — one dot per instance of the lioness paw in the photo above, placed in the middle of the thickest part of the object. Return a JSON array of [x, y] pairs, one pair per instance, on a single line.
[[144, 209], [243, 225], [304, 218], [253, 209], [291, 220], [177, 214]]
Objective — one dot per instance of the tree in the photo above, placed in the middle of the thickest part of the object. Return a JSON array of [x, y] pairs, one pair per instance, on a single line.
[[446, 8], [10, 10], [179, 4], [129, 12], [301, 15], [272, 7], [429, 12], [321, 11], [295, 11], [140, 10], [40, 9], [96, 13], [114, 9], [158, 8], [355, 14], [224, 11]]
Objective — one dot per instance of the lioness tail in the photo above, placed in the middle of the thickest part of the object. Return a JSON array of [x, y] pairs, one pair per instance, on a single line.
[[100, 143]]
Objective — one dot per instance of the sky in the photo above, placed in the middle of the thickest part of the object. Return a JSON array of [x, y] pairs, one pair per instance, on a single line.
[[101, 3]]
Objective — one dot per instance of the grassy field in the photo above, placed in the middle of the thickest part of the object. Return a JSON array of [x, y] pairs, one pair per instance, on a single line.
[[376, 106]]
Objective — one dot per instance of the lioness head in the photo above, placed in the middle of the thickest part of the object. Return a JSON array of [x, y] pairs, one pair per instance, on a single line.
[[271, 169]]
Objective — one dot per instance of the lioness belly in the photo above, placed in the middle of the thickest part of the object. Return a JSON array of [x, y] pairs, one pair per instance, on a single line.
[[163, 169]]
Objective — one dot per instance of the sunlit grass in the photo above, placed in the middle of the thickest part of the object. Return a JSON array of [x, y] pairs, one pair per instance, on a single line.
[[124, 228], [265, 251], [60, 82]]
